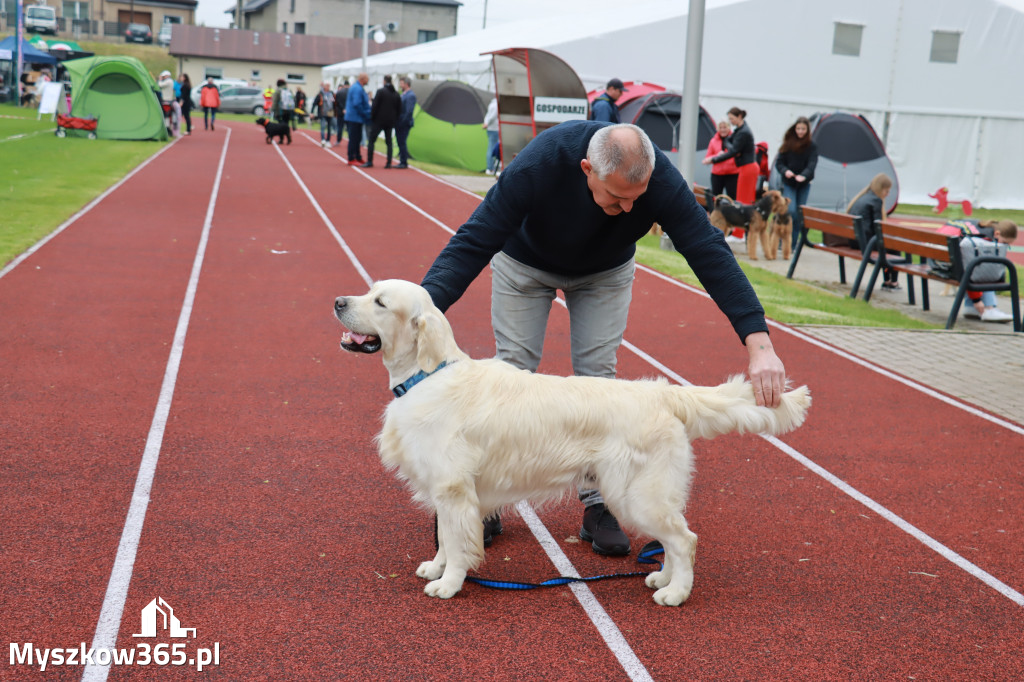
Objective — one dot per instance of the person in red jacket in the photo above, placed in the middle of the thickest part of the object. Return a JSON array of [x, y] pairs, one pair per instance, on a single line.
[[724, 173], [209, 100]]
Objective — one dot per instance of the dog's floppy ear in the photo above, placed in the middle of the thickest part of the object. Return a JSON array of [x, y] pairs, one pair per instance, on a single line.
[[432, 332]]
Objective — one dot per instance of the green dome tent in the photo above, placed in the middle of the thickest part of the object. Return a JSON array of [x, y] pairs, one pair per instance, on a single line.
[[120, 93], [447, 128]]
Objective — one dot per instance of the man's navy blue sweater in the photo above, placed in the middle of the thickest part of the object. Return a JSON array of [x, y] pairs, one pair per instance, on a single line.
[[541, 213]]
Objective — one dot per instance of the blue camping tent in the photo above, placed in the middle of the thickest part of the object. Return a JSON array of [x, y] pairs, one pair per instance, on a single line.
[[29, 54]]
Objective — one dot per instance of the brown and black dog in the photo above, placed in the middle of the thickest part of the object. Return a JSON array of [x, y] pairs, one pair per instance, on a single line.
[[780, 230], [728, 214]]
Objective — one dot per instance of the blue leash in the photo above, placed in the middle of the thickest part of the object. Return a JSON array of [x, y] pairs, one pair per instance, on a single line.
[[649, 550]]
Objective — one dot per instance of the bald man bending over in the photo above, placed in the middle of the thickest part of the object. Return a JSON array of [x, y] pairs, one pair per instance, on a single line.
[[566, 215]]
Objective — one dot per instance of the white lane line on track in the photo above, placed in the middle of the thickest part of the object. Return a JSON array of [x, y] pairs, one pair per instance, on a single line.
[[902, 524], [323, 216], [604, 624], [85, 209], [121, 574], [602, 621]]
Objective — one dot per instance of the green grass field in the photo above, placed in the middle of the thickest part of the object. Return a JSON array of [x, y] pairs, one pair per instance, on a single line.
[[46, 180]]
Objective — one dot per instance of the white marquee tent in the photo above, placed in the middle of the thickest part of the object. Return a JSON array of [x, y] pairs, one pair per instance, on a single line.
[[940, 80]]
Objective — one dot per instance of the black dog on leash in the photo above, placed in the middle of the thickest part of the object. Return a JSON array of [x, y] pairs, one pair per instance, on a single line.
[[278, 130]]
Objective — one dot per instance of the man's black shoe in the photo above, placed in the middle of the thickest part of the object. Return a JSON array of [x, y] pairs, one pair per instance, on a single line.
[[402, 165], [601, 530], [492, 527], [368, 164]]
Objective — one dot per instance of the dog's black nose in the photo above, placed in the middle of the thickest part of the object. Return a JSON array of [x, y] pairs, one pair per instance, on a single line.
[[340, 303]]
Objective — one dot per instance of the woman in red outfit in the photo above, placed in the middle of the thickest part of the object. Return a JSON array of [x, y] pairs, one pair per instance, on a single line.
[[740, 146]]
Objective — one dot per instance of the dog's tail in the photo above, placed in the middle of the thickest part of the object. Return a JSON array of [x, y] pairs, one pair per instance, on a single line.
[[709, 411]]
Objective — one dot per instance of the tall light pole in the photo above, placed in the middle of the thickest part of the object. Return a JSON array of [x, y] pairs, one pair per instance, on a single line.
[[691, 90], [366, 31]]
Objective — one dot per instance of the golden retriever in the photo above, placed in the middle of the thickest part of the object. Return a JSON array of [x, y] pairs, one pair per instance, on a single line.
[[474, 436]]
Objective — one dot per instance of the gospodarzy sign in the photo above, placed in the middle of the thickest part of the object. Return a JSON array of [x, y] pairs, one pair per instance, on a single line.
[[559, 109]]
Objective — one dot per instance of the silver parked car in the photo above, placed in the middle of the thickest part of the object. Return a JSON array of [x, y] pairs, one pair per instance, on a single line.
[[242, 100]]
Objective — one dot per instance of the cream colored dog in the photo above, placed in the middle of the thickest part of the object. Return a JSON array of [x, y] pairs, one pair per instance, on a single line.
[[474, 436]]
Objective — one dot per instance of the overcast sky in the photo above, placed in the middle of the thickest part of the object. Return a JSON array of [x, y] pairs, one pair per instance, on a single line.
[[471, 14]]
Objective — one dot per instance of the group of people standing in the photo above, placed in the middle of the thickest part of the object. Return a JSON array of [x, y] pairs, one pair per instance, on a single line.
[[390, 112], [735, 171], [176, 95]]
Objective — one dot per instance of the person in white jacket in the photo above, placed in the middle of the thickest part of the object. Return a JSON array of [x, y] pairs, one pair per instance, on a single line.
[[490, 124], [166, 85]]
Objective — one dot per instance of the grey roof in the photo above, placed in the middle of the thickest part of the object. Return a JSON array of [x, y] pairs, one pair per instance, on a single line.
[[253, 5], [261, 46]]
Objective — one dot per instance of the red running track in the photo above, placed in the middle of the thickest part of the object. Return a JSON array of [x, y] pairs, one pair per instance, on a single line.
[[882, 540]]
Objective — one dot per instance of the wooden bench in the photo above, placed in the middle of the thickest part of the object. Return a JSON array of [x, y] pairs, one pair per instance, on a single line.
[[839, 225], [925, 244], [701, 193]]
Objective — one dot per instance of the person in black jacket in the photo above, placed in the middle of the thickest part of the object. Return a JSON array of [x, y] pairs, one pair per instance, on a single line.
[[797, 159], [185, 100], [740, 146], [384, 113], [565, 215]]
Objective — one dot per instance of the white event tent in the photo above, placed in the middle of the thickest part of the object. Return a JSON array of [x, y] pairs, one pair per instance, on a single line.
[[940, 80]]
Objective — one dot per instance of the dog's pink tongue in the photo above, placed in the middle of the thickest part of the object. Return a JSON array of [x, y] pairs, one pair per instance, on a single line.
[[357, 338]]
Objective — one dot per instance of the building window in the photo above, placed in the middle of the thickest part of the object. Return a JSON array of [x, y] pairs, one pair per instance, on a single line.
[[945, 47], [300, 28], [846, 40], [357, 31], [72, 9], [292, 7], [213, 72], [284, 27], [295, 78], [425, 36], [255, 75]]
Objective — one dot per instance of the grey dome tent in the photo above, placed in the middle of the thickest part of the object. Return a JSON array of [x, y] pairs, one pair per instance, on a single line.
[[658, 114], [849, 155], [447, 124]]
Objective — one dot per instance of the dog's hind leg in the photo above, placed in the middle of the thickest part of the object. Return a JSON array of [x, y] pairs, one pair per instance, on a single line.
[[460, 531], [433, 569], [675, 580]]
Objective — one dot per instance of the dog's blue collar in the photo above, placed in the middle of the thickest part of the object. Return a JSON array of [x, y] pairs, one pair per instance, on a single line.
[[403, 388]]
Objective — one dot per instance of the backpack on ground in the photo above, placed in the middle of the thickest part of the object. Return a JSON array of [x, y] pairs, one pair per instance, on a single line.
[[287, 100]]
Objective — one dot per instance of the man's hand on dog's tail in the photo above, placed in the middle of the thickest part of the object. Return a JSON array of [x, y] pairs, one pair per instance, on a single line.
[[766, 371]]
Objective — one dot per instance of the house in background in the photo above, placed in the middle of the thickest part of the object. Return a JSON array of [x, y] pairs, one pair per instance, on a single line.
[[152, 13], [97, 18], [403, 21], [262, 58]]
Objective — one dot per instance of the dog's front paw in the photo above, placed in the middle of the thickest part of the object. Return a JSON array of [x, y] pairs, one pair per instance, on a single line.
[[671, 596], [441, 589], [430, 570], [656, 579]]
